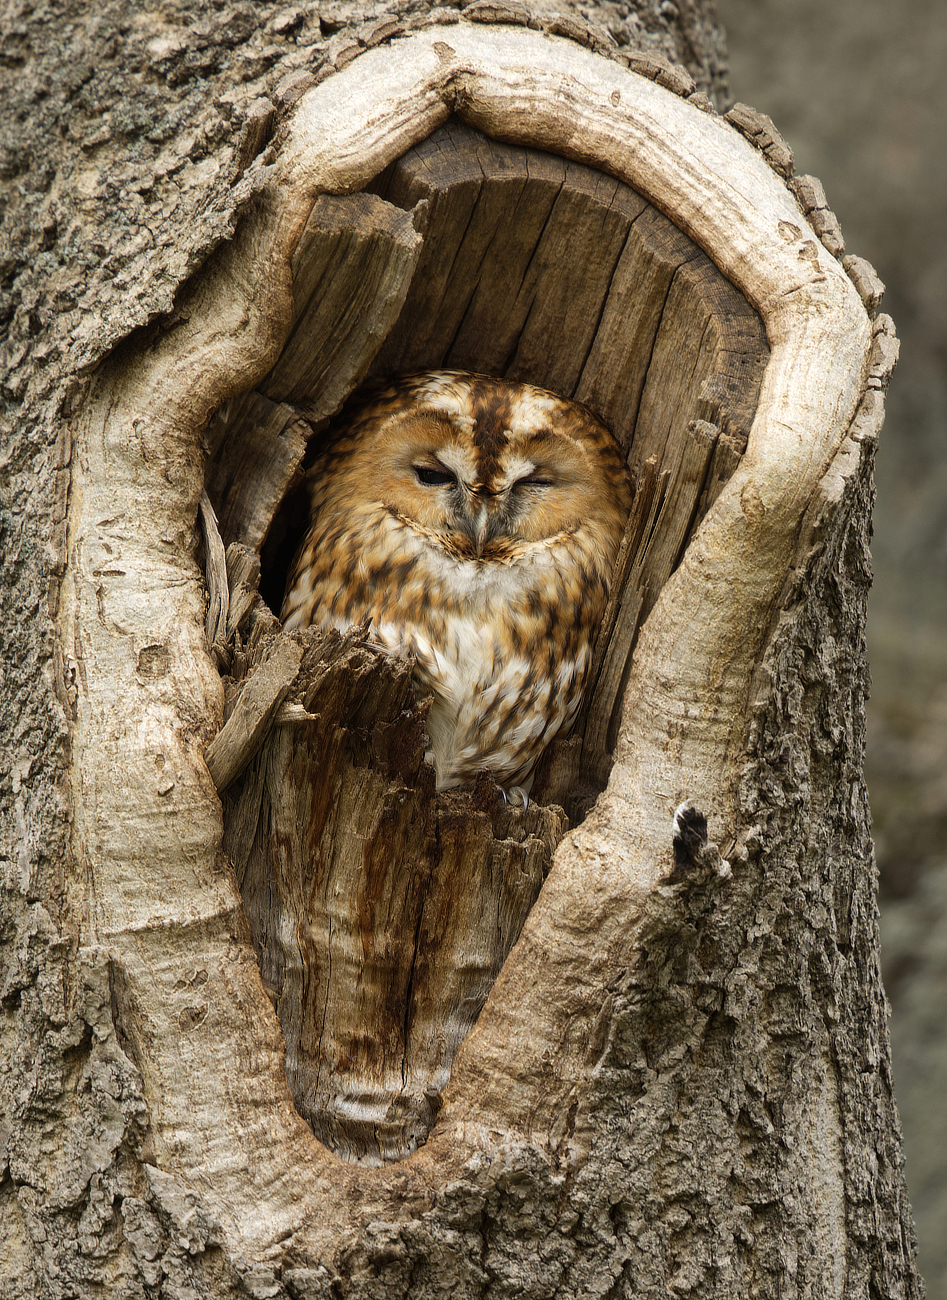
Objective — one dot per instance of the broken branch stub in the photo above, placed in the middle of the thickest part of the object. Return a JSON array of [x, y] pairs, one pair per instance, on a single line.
[[672, 716]]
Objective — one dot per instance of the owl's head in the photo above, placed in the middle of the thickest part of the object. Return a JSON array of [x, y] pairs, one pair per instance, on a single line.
[[484, 468]]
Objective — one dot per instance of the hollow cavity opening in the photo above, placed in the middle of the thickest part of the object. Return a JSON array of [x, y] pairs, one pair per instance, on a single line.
[[381, 911]]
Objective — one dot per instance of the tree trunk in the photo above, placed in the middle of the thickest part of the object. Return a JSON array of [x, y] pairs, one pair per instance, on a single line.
[[680, 1079]]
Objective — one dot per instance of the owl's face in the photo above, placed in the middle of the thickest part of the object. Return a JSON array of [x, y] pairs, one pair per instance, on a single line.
[[482, 469]]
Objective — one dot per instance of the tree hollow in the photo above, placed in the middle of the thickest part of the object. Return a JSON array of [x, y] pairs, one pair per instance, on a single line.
[[381, 912]]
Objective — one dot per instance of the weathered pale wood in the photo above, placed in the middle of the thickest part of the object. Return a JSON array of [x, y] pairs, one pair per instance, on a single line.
[[380, 914], [252, 713], [687, 475], [255, 447], [614, 376], [726, 457], [615, 644], [681, 363], [218, 589], [556, 274], [243, 578], [351, 271], [520, 1079]]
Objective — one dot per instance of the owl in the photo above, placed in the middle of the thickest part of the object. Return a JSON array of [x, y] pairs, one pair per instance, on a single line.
[[476, 523]]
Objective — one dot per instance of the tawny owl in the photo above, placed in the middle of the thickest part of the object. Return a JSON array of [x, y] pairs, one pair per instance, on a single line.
[[477, 523]]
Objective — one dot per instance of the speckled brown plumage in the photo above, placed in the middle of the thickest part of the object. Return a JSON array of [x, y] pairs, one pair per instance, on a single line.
[[476, 522]]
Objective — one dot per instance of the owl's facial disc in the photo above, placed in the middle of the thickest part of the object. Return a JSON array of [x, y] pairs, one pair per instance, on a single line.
[[480, 517], [469, 509], [487, 478]]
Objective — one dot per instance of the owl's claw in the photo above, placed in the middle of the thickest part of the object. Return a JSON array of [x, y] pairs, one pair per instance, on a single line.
[[515, 797]]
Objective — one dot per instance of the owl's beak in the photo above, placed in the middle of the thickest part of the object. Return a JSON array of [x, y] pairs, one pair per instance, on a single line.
[[482, 526]]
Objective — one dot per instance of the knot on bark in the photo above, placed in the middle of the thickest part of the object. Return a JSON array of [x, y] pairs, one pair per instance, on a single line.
[[691, 849]]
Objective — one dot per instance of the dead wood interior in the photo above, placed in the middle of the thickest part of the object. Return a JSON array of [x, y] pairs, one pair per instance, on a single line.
[[381, 913]]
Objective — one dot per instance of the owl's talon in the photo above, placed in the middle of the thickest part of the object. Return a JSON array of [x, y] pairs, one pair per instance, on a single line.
[[515, 797]]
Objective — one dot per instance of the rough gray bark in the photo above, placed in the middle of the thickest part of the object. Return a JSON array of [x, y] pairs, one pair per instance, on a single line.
[[739, 1129]]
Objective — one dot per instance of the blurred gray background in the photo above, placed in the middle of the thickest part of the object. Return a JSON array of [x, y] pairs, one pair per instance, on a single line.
[[859, 90]]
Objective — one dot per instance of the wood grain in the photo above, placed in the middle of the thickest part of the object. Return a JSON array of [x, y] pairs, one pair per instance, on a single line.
[[351, 270], [381, 914]]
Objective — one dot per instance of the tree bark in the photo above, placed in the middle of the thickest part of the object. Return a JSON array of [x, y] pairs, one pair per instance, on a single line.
[[680, 1080]]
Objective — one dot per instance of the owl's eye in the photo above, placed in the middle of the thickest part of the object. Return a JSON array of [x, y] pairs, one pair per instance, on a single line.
[[432, 477], [534, 480]]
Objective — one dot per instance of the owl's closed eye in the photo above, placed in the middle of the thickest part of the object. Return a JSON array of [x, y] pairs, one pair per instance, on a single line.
[[476, 522]]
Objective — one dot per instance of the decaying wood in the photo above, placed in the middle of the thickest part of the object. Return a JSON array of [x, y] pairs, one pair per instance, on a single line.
[[243, 578], [521, 248], [381, 914], [520, 1102], [351, 270], [218, 588], [253, 713], [255, 448], [547, 271]]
